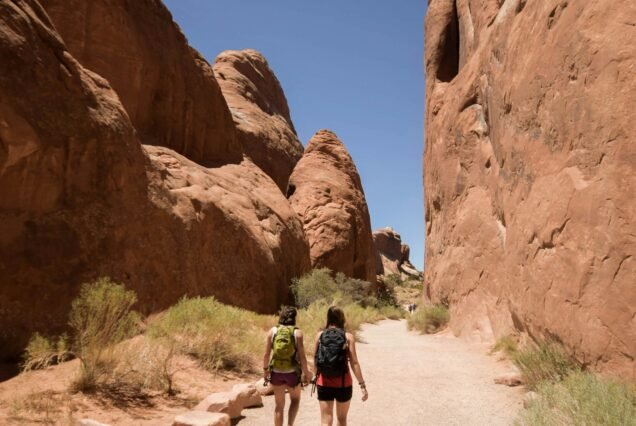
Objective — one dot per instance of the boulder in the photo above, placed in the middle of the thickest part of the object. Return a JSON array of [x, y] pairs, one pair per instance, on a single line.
[[249, 396], [393, 255], [326, 192], [262, 389], [202, 418], [222, 402], [260, 111], [529, 170], [81, 198], [90, 422], [167, 88]]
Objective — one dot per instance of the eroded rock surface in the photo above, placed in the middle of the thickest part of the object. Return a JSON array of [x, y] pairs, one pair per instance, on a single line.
[[167, 88], [80, 198], [325, 190], [260, 111], [392, 254], [530, 167]]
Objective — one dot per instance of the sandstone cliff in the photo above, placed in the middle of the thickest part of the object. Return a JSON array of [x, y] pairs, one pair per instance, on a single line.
[[80, 197], [259, 108], [167, 88], [530, 167], [326, 192], [392, 255]]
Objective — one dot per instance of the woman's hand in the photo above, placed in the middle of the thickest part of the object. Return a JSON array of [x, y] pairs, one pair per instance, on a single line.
[[267, 375], [365, 394]]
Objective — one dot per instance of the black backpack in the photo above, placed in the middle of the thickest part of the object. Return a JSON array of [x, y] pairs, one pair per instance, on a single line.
[[331, 356]]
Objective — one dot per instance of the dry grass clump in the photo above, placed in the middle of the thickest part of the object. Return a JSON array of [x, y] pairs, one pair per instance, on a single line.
[[582, 399], [547, 361], [429, 319], [42, 407], [220, 337], [101, 317], [41, 352], [506, 344]]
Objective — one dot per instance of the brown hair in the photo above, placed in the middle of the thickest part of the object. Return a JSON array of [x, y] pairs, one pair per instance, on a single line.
[[287, 315], [335, 316]]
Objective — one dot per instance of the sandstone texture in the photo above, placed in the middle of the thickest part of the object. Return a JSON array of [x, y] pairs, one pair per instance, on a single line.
[[202, 418], [392, 255], [260, 111], [222, 402], [167, 88], [81, 197], [529, 170], [325, 190]]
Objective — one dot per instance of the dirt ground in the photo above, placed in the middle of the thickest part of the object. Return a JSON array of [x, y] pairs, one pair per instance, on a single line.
[[417, 380]]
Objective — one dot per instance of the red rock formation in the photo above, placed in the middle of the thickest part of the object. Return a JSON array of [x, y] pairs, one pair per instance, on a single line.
[[81, 198], [259, 108], [167, 88], [529, 167], [325, 190], [392, 254]]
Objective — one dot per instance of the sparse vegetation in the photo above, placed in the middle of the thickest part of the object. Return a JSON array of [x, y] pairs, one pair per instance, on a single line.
[[506, 344], [429, 319], [42, 407], [546, 361], [41, 352], [101, 317], [582, 399], [219, 336]]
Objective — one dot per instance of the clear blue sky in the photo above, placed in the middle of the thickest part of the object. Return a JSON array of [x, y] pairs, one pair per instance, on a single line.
[[352, 66]]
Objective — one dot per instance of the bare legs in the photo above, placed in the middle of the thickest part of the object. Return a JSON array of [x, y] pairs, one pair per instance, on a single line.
[[326, 412], [279, 398]]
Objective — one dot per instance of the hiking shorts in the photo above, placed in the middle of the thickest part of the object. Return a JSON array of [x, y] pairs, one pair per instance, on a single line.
[[339, 394], [287, 379]]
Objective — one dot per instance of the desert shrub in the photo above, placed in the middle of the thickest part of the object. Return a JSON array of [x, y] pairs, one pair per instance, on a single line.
[[41, 352], [429, 319], [317, 285], [545, 361], [217, 335], [506, 344], [391, 312], [581, 399], [101, 316], [394, 280]]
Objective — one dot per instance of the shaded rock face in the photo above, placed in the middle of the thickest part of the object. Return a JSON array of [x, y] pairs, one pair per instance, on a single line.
[[326, 192], [259, 108], [167, 88], [393, 256], [529, 169], [81, 197]]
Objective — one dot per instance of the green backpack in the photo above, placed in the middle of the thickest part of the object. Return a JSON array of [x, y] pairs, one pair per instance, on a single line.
[[283, 349]]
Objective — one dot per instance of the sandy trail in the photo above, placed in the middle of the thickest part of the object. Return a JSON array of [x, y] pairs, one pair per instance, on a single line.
[[416, 380]]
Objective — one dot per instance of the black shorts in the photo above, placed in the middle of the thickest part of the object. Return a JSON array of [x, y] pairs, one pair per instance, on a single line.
[[339, 394]]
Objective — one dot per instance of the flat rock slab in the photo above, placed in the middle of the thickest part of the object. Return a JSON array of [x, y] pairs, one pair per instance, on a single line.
[[90, 422], [248, 395], [222, 402], [202, 418]]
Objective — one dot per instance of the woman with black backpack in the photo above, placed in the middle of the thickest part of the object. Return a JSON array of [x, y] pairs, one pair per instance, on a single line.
[[285, 364], [336, 348]]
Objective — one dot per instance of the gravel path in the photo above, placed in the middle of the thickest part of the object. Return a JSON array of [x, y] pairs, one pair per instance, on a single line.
[[416, 380]]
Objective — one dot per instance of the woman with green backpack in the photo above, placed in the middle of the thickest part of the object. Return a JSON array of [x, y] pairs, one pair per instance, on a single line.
[[285, 364], [336, 348]]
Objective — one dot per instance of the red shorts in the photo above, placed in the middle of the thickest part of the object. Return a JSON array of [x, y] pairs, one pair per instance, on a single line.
[[290, 380]]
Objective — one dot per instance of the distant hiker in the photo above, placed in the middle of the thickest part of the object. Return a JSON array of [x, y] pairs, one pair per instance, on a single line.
[[334, 349], [287, 368]]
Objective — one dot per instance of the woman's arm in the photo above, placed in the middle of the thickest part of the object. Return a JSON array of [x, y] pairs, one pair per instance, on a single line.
[[302, 357], [355, 365], [266, 357]]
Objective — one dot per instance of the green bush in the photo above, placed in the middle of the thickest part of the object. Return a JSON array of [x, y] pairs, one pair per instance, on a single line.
[[101, 316], [581, 399], [318, 285], [544, 362], [219, 336], [429, 319], [41, 352]]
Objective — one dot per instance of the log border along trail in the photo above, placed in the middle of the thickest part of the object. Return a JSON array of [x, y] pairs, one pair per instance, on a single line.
[[416, 380]]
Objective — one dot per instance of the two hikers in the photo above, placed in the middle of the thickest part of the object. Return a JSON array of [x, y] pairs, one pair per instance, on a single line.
[[285, 366]]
